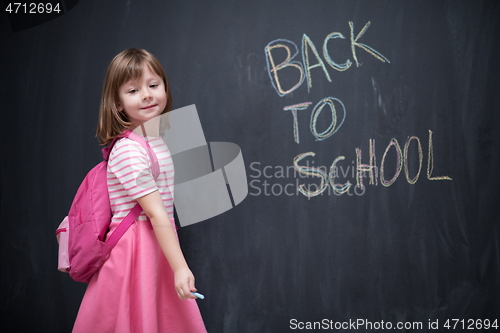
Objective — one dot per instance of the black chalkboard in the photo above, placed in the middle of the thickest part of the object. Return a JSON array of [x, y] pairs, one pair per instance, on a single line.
[[407, 90]]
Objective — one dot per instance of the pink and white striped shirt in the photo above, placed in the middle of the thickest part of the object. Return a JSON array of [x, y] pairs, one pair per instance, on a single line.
[[130, 177]]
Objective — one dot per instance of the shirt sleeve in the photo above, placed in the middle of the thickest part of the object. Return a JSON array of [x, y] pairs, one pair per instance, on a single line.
[[129, 163]]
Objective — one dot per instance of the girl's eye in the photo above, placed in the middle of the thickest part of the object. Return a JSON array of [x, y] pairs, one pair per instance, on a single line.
[[153, 85], [132, 91]]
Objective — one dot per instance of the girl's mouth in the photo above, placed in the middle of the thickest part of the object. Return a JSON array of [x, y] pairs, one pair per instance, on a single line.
[[148, 107]]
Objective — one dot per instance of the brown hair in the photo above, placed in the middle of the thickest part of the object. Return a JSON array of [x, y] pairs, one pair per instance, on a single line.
[[125, 66]]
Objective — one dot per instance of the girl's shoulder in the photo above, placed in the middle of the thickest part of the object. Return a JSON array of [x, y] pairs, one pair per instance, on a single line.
[[126, 147], [126, 143]]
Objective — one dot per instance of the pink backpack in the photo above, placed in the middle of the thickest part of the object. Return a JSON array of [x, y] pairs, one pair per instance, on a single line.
[[82, 249]]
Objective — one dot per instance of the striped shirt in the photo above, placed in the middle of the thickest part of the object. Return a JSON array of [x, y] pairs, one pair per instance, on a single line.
[[130, 176]]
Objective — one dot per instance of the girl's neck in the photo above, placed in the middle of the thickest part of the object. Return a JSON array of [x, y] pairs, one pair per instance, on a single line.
[[150, 128]]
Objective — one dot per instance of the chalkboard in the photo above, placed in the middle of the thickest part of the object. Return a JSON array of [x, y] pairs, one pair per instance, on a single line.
[[367, 130]]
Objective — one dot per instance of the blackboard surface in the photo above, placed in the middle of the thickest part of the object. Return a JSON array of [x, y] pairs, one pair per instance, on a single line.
[[408, 87]]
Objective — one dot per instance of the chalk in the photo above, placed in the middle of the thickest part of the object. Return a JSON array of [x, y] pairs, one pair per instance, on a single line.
[[200, 296]]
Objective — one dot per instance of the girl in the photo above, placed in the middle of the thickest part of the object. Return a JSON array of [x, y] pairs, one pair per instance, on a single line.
[[145, 285]]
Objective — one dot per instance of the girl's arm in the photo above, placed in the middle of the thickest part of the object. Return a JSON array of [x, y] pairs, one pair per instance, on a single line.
[[152, 204]]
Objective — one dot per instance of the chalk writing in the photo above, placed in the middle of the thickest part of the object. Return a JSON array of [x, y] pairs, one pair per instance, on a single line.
[[332, 128], [307, 48], [307, 44], [310, 171], [339, 188], [394, 143], [430, 162], [328, 179], [405, 159], [273, 69], [354, 42], [287, 74], [339, 67], [371, 167], [294, 108]]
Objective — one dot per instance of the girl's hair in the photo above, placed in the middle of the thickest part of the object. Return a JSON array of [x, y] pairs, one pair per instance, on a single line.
[[127, 65]]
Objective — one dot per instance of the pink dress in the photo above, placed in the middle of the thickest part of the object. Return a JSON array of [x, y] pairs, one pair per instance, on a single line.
[[133, 292]]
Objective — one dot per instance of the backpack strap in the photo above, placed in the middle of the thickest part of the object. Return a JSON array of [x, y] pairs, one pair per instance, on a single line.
[[137, 210], [155, 167], [107, 150], [123, 226]]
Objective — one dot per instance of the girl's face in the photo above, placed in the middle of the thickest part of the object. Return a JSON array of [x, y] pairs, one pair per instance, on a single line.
[[142, 99]]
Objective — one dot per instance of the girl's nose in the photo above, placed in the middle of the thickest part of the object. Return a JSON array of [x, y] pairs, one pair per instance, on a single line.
[[146, 95]]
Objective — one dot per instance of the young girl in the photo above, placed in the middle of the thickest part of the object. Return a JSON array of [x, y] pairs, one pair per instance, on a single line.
[[145, 285]]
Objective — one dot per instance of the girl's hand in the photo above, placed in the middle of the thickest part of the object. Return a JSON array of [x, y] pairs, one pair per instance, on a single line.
[[184, 283]]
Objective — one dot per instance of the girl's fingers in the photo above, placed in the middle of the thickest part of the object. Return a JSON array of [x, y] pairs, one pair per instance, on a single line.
[[191, 285], [184, 284], [180, 293], [185, 293], [190, 295]]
